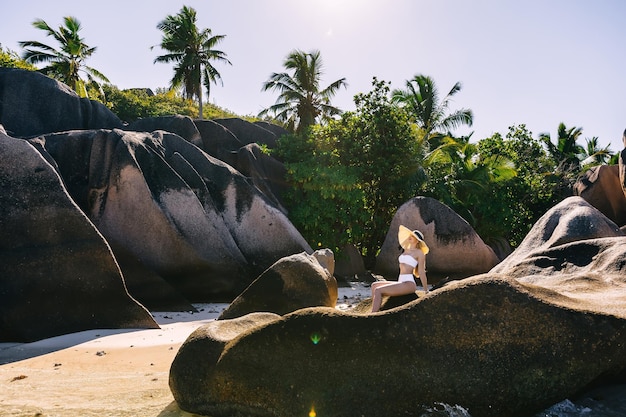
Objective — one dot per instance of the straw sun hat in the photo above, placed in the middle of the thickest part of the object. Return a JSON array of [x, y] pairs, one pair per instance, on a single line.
[[403, 237]]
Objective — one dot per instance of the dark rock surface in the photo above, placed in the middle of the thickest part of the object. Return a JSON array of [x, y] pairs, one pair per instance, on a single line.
[[267, 173], [218, 141], [57, 273], [190, 218], [492, 345], [32, 104], [195, 359], [456, 250], [601, 187], [182, 126], [548, 324], [245, 131], [292, 283]]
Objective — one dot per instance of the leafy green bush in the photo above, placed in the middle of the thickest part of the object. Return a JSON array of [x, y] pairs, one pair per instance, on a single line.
[[517, 203], [350, 176], [133, 104], [10, 59]]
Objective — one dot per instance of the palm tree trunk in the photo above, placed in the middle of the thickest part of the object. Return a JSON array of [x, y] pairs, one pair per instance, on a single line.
[[200, 101]]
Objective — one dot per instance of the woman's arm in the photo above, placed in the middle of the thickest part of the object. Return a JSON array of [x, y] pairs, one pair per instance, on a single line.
[[421, 269]]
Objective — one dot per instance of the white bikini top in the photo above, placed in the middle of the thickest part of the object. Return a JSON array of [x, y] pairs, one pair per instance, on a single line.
[[407, 259]]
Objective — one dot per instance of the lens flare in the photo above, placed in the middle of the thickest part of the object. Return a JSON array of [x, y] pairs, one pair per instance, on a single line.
[[315, 338]]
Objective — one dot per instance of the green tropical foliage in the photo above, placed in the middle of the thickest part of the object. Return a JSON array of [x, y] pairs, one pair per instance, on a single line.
[[133, 104], [301, 101], [568, 156], [191, 49], [517, 203], [421, 99], [68, 62], [10, 59], [352, 174], [463, 178], [594, 155], [566, 152]]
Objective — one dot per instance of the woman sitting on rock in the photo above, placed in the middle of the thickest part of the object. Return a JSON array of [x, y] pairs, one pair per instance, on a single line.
[[412, 262]]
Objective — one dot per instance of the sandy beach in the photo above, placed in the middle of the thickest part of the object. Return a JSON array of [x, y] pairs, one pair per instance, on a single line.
[[98, 373]]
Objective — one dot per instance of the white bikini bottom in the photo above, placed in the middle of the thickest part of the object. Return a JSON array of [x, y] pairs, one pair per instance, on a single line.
[[406, 278]]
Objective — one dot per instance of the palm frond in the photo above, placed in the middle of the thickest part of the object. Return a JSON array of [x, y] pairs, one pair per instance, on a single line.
[[66, 63]]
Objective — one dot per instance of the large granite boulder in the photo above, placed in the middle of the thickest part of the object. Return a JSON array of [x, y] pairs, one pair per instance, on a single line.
[[456, 250], [350, 265], [192, 219], [294, 282], [195, 359], [32, 104], [267, 173], [493, 343], [57, 273], [573, 249], [572, 220], [602, 188], [218, 141], [182, 126], [278, 131], [248, 132], [621, 163]]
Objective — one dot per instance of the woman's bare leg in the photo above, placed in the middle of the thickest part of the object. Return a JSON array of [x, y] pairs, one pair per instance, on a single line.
[[376, 296], [390, 288]]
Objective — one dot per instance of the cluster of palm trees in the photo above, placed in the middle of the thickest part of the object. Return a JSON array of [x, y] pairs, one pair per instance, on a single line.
[[463, 174], [187, 46], [570, 155], [301, 102]]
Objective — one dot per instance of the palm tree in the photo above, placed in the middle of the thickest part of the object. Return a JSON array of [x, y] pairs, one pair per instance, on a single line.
[[191, 49], [301, 100], [567, 153], [594, 155], [68, 62], [421, 99], [464, 178]]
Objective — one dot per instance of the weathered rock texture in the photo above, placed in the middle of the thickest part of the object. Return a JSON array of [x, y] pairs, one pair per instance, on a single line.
[[267, 173], [206, 344], [182, 126], [456, 250], [493, 343], [57, 273], [350, 264], [602, 187], [185, 226], [191, 218], [218, 141], [32, 104], [245, 130], [238, 148], [574, 250], [292, 283]]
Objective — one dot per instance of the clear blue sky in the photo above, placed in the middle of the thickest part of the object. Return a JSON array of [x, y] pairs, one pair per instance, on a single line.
[[536, 62]]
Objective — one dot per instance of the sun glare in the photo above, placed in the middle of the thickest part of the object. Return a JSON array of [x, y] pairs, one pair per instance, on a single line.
[[337, 14]]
